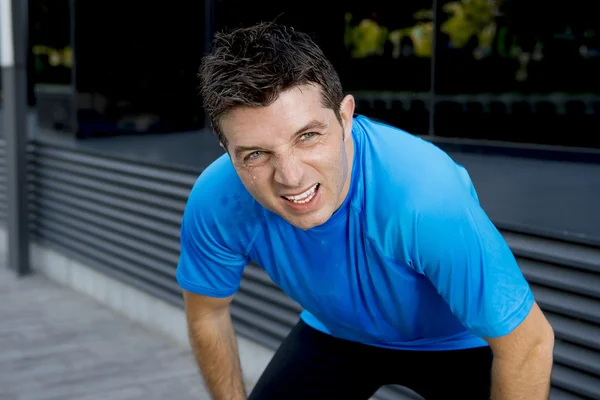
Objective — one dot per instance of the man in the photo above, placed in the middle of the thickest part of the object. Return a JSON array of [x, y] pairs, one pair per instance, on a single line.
[[378, 234]]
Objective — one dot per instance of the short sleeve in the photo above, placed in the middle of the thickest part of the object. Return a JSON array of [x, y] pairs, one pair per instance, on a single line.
[[208, 264], [472, 268]]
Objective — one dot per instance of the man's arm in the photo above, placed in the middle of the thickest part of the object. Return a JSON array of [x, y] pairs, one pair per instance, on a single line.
[[471, 266], [214, 345], [523, 360]]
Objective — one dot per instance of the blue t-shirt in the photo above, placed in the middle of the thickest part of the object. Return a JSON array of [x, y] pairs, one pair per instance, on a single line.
[[409, 261]]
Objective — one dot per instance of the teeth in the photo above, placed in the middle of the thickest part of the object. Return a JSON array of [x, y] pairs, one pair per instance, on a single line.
[[303, 197]]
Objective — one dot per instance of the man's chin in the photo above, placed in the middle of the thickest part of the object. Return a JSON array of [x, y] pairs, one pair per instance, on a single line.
[[309, 221]]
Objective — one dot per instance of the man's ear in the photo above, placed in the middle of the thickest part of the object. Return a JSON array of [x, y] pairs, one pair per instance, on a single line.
[[346, 113]]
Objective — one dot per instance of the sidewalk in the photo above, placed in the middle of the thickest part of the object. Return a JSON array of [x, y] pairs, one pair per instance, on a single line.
[[58, 344]]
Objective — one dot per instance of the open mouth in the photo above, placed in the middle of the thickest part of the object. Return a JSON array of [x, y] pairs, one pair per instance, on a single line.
[[305, 197]]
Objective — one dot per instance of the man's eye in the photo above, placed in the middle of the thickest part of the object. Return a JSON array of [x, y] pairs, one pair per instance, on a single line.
[[254, 155], [308, 135]]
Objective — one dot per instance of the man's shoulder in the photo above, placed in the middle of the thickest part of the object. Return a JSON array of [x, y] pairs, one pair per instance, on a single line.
[[406, 178], [219, 200], [408, 168]]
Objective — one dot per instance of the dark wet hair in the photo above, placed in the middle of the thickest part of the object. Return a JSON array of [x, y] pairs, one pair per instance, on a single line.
[[252, 66]]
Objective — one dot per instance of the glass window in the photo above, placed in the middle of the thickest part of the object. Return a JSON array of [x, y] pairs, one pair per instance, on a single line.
[[387, 60], [381, 50], [518, 70], [50, 63], [50, 41], [137, 65]]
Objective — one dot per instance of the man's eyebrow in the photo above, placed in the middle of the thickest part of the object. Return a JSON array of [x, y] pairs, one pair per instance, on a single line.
[[314, 124]]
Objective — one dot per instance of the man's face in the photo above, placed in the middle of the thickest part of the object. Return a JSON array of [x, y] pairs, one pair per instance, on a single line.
[[293, 156]]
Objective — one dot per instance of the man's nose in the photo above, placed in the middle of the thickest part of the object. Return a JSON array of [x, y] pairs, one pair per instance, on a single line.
[[288, 171]]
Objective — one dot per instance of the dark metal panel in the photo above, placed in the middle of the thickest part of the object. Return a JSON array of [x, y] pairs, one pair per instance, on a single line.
[[263, 325], [266, 309], [86, 252], [123, 218], [559, 394], [575, 331], [566, 279], [576, 382], [256, 335], [107, 163], [554, 251], [259, 275], [147, 254], [92, 173], [568, 304], [167, 232], [269, 295], [577, 357], [93, 237], [132, 207], [46, 204], [113, 189], [111, 267]]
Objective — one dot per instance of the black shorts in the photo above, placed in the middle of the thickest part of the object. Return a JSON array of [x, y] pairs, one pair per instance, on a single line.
[[312, 365]]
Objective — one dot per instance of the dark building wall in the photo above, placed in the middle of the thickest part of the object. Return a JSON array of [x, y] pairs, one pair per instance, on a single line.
[[518, 71]]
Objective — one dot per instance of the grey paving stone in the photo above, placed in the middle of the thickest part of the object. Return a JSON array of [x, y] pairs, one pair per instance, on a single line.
[[56, 344]]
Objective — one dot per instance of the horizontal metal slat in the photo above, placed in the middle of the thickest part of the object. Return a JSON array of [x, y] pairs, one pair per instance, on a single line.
[[103, 266], [265, 309], [567, 303], [256, 335], [264, 325], [142, 250], [256, 273], [112, 201], [89, 253], [575, 331], [576, 382], [577, 357], [158, 173], [129, 231], [559, 394], [270, 295], [168, 232], [554, 251], [563, 278], [113, 189], [142, 184], [160, 270]]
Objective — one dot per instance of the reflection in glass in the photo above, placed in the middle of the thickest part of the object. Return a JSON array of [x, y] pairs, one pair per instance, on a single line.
[[524, 46], [387, 60], [50, 41], [136, 66], [50, 64], [531, 66]]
